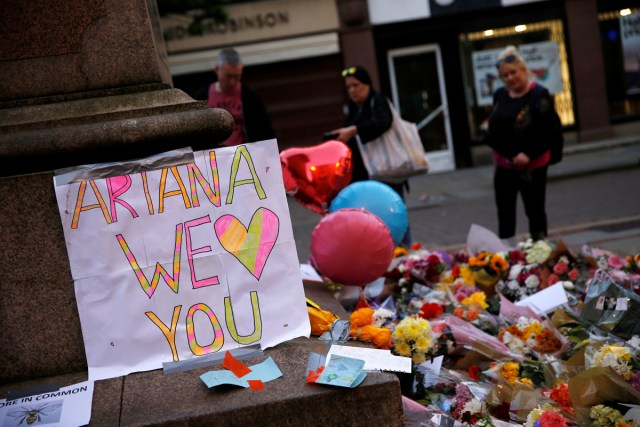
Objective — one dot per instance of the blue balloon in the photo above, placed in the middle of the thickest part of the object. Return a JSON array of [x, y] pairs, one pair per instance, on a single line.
[[379, 199]]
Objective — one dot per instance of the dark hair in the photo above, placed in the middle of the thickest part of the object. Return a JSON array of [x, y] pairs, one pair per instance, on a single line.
[[359, 72]]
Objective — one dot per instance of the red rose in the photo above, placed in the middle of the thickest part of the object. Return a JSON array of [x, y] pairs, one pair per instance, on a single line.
[[574, 274], [561, 268], [431, 310]]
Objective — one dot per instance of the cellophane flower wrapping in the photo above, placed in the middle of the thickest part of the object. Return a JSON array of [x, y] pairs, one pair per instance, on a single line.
[[596, 386], [611, 307]]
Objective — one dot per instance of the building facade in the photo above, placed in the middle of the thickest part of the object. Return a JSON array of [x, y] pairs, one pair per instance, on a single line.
[[435, 59]]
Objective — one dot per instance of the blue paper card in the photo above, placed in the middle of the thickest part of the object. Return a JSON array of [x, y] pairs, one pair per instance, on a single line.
[[265, 371], [342, 371]]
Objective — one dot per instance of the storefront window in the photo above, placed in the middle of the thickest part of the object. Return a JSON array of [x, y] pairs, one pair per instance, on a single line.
[[541, 45], [620, 36]]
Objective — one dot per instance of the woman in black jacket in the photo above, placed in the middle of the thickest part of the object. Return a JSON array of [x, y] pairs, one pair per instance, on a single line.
[[523, 128], [368, 116]]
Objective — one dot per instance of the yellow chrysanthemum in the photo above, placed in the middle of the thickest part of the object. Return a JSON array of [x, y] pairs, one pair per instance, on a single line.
[[398, 334], [422, 345], [402, 348], [418, 358]]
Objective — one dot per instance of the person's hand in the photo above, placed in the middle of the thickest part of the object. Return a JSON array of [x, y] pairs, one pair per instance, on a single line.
[[521, 159], [345, 134]]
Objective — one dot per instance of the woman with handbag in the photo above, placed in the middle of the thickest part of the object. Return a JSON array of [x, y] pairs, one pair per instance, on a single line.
[[523, 127], [368, 116]]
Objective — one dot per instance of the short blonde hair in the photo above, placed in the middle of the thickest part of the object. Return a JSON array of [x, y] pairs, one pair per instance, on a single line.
[[510, 55]]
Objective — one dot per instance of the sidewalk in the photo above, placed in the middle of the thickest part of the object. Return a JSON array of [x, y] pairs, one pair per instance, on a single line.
[[579, 159]]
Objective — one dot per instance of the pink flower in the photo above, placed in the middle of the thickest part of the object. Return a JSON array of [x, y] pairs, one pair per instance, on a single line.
[[616, 262], [561, 268], [552, 279], [574, 274]]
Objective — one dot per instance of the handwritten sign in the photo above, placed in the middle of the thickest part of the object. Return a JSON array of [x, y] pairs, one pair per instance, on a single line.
[[183, 261]]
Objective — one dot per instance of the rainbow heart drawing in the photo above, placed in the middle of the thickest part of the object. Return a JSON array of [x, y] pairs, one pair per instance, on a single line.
[[251, 246]]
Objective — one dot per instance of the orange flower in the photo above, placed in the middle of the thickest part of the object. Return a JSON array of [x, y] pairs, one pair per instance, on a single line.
[[499, 264], [547, 342], [399, 251], [480, 260], [510, 371], [472, 314], [459, 312]]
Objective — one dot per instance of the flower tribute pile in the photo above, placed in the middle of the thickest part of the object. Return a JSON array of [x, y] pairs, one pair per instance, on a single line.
[[504, 361]]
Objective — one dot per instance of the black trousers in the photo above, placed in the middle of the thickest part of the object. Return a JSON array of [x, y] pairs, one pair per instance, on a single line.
[[532, 185]]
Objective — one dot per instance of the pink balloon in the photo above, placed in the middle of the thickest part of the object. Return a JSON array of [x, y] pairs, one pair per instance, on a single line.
[[351, 246]]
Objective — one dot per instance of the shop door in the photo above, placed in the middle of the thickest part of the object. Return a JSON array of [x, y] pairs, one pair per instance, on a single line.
[[418, 91]]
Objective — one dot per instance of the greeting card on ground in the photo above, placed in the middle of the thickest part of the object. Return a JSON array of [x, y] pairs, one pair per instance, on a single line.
[[342, 372], [374, 359], [180, 260]]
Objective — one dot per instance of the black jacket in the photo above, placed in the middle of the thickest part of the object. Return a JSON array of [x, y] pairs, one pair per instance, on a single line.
[[528, 124], [372, 120]]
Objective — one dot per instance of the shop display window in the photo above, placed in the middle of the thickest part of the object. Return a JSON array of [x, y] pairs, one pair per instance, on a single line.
[[620, 39], [541, 44]]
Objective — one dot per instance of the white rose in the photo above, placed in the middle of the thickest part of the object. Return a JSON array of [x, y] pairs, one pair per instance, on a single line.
[[532, 281], [514, 271]]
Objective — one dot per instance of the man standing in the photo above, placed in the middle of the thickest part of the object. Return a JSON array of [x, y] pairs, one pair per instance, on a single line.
[[228, 92]]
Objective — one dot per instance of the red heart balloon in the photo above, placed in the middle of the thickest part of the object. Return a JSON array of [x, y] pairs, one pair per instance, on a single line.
[[315, 175]]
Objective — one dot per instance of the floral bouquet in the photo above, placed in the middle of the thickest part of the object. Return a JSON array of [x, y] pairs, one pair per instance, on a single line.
[[528, 372], [420, 266], [547, 415], [621, 357], [523, 280], [600, 386], [412, 337], [470, 337], [488, 270], [525, 333], [623, 270], [606, 416], [536, 252], [564, 266], [529, 335], [468, 409]]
